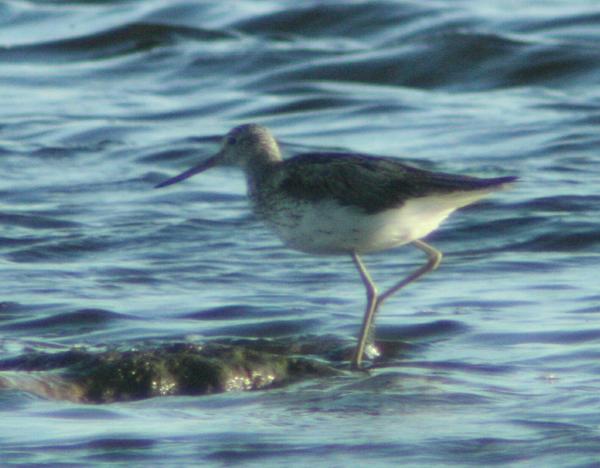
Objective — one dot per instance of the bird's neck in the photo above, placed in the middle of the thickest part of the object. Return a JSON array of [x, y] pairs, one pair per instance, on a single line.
[[258, 171], [259, 176], [262, 161]]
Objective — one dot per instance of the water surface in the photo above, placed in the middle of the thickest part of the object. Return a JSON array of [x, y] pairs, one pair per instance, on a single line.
[[498, 359]]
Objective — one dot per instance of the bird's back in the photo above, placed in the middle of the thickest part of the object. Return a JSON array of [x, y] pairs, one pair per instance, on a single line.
[[370, 183]]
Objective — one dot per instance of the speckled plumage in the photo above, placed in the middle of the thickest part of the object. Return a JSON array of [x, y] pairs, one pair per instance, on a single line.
[[370, 183], [346, 203]]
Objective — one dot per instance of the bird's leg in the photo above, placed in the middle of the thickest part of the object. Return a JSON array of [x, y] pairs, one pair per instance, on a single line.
[[433, 261], [374, 301]]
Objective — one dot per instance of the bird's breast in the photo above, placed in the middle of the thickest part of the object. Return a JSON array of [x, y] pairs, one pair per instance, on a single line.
[[326, 227]]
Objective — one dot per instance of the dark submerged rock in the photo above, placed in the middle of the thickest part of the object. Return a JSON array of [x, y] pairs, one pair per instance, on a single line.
[[173, 369]]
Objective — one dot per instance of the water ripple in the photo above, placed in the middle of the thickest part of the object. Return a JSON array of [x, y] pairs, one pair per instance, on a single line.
[[102, 100]]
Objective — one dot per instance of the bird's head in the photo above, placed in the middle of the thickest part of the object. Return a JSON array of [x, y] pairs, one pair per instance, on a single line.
[[247, 146]]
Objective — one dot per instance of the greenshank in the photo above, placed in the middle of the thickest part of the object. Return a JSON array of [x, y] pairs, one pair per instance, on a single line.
[[346, 204]]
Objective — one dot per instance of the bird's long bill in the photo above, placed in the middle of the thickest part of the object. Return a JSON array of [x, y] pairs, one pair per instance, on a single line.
[[204, 165]]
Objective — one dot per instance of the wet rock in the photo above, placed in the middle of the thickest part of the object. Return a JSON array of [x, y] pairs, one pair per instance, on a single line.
[[174, 369]]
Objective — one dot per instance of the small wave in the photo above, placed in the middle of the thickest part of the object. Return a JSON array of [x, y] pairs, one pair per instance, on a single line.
[[268, 329], [552, 337], [229, 312], [35, 221], [83, 318], [118, 41], [568, 240], [60, 250], [429, 330]]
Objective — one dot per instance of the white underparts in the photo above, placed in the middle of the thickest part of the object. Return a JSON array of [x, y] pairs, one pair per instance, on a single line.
[[327, 227]]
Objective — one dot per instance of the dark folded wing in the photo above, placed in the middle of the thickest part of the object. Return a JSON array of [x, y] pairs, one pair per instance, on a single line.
[[370, 183]]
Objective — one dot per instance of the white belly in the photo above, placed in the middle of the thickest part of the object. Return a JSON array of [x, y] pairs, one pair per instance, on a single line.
[[329, 228]]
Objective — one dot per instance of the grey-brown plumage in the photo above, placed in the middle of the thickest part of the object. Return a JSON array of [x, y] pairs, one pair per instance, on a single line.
[[346, 203], [371, 183]]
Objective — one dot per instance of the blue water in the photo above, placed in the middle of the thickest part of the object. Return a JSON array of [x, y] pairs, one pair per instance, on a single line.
[[99, 101]]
